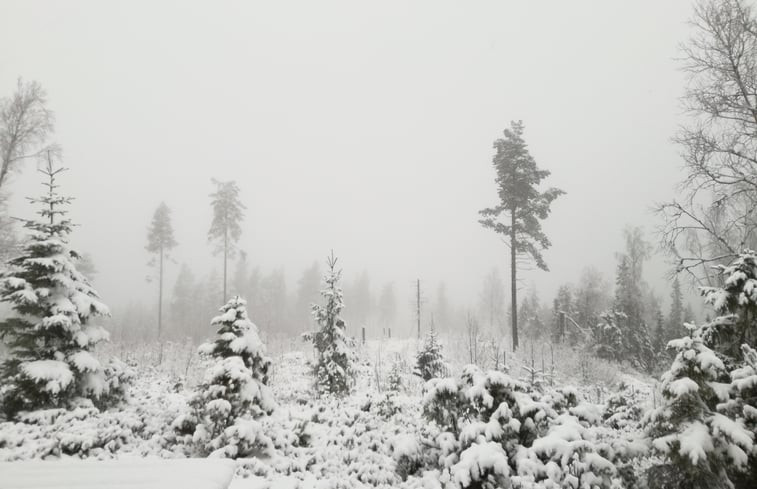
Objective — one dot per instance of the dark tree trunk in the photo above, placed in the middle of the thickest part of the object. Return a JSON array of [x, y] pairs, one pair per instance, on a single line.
[[160, 297], [513, 281]]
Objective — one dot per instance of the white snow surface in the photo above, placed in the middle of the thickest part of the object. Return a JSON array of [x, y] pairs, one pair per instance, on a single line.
[[127, 473]]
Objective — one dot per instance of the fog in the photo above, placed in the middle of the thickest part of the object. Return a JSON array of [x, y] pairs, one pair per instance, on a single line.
[[366, 128]]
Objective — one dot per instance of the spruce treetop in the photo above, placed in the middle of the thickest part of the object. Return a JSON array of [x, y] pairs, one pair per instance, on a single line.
[[238, 336], [43, 282]]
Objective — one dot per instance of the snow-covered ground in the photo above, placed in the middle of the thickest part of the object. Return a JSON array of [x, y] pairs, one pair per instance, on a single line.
[[371, 438], [126, 473]]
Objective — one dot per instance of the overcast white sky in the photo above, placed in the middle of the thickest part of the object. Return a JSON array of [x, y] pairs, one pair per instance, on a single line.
[[366, 127]]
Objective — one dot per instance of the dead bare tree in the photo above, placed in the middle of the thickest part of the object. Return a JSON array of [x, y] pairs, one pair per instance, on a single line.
[[25, 126], [714, 219]]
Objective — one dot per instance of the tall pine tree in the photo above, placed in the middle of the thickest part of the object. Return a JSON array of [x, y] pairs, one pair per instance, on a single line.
[[225, 229], [160, 241], [51, 339], [521, 209]]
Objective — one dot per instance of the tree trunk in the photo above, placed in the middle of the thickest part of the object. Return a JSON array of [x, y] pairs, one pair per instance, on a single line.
[[513, 281], [160, 296], [418, 305], [225, 256]]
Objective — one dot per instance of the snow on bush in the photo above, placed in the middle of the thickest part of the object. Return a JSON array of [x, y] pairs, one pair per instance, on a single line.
[[624, 409], [406, 452], [498, 433]]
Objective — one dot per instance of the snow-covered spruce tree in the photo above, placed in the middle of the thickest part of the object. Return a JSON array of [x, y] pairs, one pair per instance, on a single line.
[[234, 392], [334, 369], [50, 339], [607, 336], [429, 362], [700, 445], [743, 406], [733, 336], [736, 305]]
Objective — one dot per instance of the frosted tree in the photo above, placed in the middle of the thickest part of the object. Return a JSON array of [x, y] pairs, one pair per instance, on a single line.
[[429, 362], [8, 233], [700, 444], [705, 428], [160, 241], [521, 209], [234, 392], [591, 298], [608, 336], [714, 218], [225, 228], [334, 371], [51, 338], [736, 305], [26, 123]]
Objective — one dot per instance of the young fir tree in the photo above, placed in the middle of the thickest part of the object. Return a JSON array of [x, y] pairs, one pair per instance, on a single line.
[[429, 362], [225, 228], [160, 241], [521, 209], [334, 370], [51, 338], [710, 409], [700, 445], [235, 389]]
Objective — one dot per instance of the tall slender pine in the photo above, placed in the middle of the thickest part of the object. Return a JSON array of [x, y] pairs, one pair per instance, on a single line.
[[225, 229], [160, 241], [521, 209]]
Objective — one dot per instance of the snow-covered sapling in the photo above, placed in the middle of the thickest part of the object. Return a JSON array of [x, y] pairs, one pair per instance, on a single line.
[[429, 362], [235, 391], [334, 368]]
